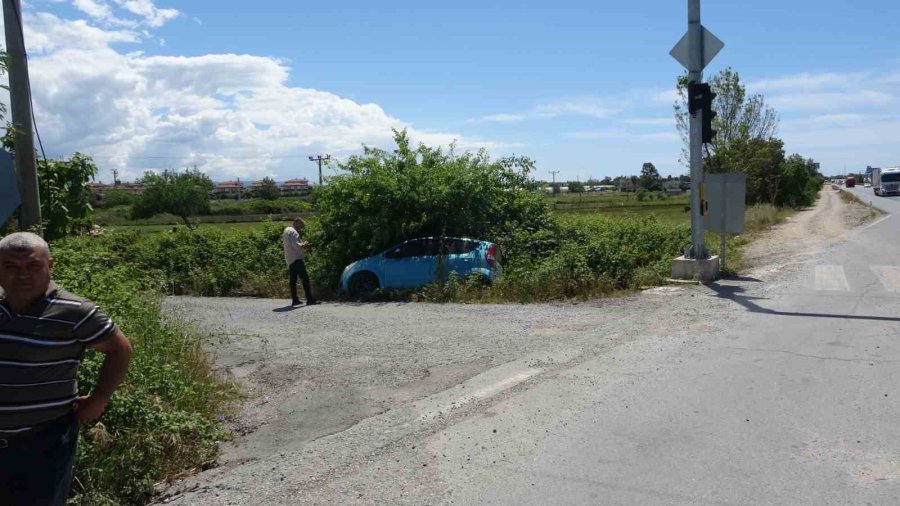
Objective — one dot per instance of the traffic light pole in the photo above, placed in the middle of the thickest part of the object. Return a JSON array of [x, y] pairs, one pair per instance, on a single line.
[[697, 249]]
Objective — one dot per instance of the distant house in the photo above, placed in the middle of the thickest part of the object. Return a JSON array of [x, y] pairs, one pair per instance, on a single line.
[[228, 189], [295, 187], [673, 191]]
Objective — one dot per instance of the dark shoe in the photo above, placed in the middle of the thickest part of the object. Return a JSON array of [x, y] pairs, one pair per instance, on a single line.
[[312, 302], [295, 302]]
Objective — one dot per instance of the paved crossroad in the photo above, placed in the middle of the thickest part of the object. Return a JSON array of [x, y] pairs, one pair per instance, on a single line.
[[791, 400]]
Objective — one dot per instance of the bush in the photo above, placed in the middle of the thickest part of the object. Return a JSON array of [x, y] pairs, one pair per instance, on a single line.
[[385, 198], [761, 216], [116, 197], [184, 194], [210, 261], [165, 418]]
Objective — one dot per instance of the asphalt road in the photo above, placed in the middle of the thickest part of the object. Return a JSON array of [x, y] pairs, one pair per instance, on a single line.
[[775, 389]]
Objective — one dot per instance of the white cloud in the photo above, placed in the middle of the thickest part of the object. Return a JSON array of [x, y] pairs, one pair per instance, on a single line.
[[669, 96], [150, 13], [651, 121], [93, 8], [609, 133], [593, 107], [584, 106], [826, 101], [46, 33], [660, 136], [505, 118], [805, 81], [231, 115]]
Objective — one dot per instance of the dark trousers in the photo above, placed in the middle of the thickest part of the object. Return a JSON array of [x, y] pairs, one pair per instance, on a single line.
[[36, 467], [298, 269]]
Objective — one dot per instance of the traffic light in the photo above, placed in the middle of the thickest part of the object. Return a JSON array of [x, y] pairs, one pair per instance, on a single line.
[[708, 114], [695, 97], [700, 99]]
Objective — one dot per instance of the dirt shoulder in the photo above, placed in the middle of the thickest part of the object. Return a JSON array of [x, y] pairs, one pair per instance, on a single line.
[[809, 228]]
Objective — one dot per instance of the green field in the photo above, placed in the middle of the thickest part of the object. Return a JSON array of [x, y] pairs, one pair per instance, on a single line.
[[616, 204], [224, 226], [625, 205]]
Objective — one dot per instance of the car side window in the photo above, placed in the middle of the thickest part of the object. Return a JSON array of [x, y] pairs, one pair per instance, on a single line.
[[459, 246], [408, 249]]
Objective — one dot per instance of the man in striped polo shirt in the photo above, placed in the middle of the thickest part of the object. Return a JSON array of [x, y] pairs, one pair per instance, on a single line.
[[44, 331]]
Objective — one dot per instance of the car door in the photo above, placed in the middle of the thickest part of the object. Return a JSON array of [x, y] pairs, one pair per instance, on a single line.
[[459, 256], [409, 265]]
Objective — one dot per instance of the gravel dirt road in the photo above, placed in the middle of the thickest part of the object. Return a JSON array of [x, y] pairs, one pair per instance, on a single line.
[[357, 403]]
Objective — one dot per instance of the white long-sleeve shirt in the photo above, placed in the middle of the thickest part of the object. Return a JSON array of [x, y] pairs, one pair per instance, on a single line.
[[292, 249]]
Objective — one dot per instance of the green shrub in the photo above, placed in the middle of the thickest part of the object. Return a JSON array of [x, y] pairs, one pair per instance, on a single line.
[[165, 418], [259, 206], [761, 216], [117, 197], [387, 197]]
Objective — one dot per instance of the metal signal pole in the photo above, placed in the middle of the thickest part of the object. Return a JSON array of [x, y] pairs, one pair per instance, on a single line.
[[20, 104], [698, 248]]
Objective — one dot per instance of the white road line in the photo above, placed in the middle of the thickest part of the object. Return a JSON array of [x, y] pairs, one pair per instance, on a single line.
[[876, 222], [889, 276], [490, 383], [831, 278]]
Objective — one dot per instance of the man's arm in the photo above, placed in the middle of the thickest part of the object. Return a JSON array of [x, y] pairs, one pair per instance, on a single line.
[[118, 354]]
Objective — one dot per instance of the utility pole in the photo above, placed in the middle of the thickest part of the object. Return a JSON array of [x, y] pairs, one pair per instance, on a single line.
[[320, 159], [554, 172], [20, 104], [116, 177]]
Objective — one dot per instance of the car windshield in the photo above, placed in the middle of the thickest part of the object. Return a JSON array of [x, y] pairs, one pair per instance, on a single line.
[[890, 177]]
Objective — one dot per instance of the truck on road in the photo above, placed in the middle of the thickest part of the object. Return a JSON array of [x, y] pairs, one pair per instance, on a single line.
[[850, 182], [886, 181]]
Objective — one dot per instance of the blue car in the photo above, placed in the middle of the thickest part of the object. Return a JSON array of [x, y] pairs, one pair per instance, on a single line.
[[415, 263]]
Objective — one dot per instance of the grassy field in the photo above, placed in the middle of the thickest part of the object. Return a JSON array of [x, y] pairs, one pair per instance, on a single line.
[[624, 205], [613, 204], [246, 226]]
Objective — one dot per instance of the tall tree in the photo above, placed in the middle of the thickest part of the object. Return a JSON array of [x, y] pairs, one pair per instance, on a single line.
[[738, 117], [66, 195], [650, 177], [184, 194], [268, 191]]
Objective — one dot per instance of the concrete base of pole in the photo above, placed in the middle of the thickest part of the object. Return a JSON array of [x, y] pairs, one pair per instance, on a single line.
[[704, 271]]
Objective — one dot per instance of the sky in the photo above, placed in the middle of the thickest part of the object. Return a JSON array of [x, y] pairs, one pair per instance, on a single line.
[[251, 89]]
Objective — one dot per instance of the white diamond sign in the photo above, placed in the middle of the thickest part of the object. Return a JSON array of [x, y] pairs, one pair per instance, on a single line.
[[711, 47]]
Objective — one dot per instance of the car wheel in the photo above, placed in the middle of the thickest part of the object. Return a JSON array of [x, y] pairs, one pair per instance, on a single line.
[[363, 284], [480, 279]]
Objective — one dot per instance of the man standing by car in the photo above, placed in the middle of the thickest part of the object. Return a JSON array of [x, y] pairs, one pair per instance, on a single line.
[[44, 331], [294, 254]]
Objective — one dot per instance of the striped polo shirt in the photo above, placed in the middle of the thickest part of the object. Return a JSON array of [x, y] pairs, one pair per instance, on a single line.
[[40, 351]]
